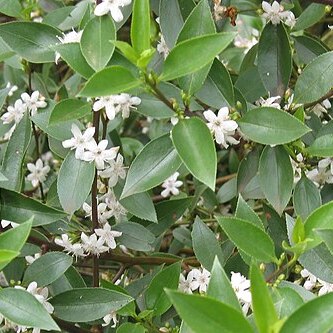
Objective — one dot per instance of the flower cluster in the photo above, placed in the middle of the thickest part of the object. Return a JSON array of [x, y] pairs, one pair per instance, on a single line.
[[323, 173], [311, 282], [241, 286], [221, 126], [275, 13], [112, 6], [114, 104]]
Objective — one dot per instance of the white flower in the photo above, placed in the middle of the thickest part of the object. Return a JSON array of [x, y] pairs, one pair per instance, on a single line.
[[34, 101], [125, 103], [12, 88], [326, 288], [69, 37], [275, 13], [112, 316], [200, 280], [221, 126], [310, 281], [38, 172], [186, 284], [14, 113], [115, 171], [269, 102], [162, 47], [326, 162], [31, 259], [92, 245], [241, 287], [171, 185], [108, 103], [296, 165], [117, 210], [330, 27], [76, 248], [111, 6], [79, 141], [320, 176], [99, 154], [321, 108], [6, 223], [108, 236], [102, 212]]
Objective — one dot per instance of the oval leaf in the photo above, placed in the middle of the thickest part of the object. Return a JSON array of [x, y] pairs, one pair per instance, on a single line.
[[244, 234], [322, 146], [74, 182], [157, 161], [194, 144], [271, 126]]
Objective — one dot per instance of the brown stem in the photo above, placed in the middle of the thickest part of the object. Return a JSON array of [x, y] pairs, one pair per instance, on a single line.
[[105, 121], [328, 95], [119, 273]]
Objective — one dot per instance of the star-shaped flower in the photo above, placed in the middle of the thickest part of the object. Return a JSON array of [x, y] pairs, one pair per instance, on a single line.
[[108, 236], [171, 185], [112, 6], [38, 172]]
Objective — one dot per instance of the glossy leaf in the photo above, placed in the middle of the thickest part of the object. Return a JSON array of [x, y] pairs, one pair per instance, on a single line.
[[245, 212], [87, 304], [131, 328], [308, 48], [22, 308], [74, 182], [31, 40], [69, 109], [48, 268], [6, 256], [10, 8], [244, 234], [276, 176], [320, 73], [19, 208], [14, 156], [322, 146], [262, 304], [95, 41], [140, 27], [110, 80], [155, 296], [271, 126], [274, 59], [311, 15], [195, 146], [157, 161], [213, 44], [205, 245], [306, 197], [318, 310], [204, 314]]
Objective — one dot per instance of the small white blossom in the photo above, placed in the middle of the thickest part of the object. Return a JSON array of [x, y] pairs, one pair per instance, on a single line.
[[221, 126], [115, 171], [31, 259], [79, 141], [108, 103], [69, 37], [241, 287], [92, 245], [112, 6], [186, 283], [320, 176], [108, 236], [12, 89], [325, 288], [275, 13], [112, 316], [125, 103], [102, 212], [14, 113], [269, 102], [296, 165], [321, 108], [171, 185], [201, 278], [33, 102], [99, 154], [76, 249], [310, 281], [162, 47], [38, 172], [116, 208], [6, 223], [330, 27]]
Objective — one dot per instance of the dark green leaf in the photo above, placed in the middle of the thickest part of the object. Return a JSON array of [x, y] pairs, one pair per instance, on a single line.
[[311, 15], [322, 146], [10, 8]]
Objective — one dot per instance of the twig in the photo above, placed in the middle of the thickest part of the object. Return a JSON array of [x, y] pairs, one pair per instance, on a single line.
[[328, 95]]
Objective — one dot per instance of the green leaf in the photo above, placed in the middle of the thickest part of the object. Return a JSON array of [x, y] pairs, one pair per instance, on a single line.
[[308, 48], [10, 8], [220, 287], [48, 268], [95, 41], [213, 44], [131, 328], [140, 26], [71, 53], [157, 161], [194, 144], [276, 176], [245, 212], [14, 239], [19, 208], [306, 197], [322, 146], [110, 80], [6, 256], [262, 304], [316, 79], [244, 234], [286, 301], [274, 59], [155, 296], [87, 304], [14, 156], [127, 50], [69, 109], [327, 236], [318, 311], [22, 308], [321, 218], [205, 245], [31, 40], [74, 182], [311, 15], [227, 191], [204, 314], [271, 126]]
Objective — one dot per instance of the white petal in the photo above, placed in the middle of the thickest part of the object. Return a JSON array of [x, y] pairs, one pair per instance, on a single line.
[[209, 115], [102, 9]]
